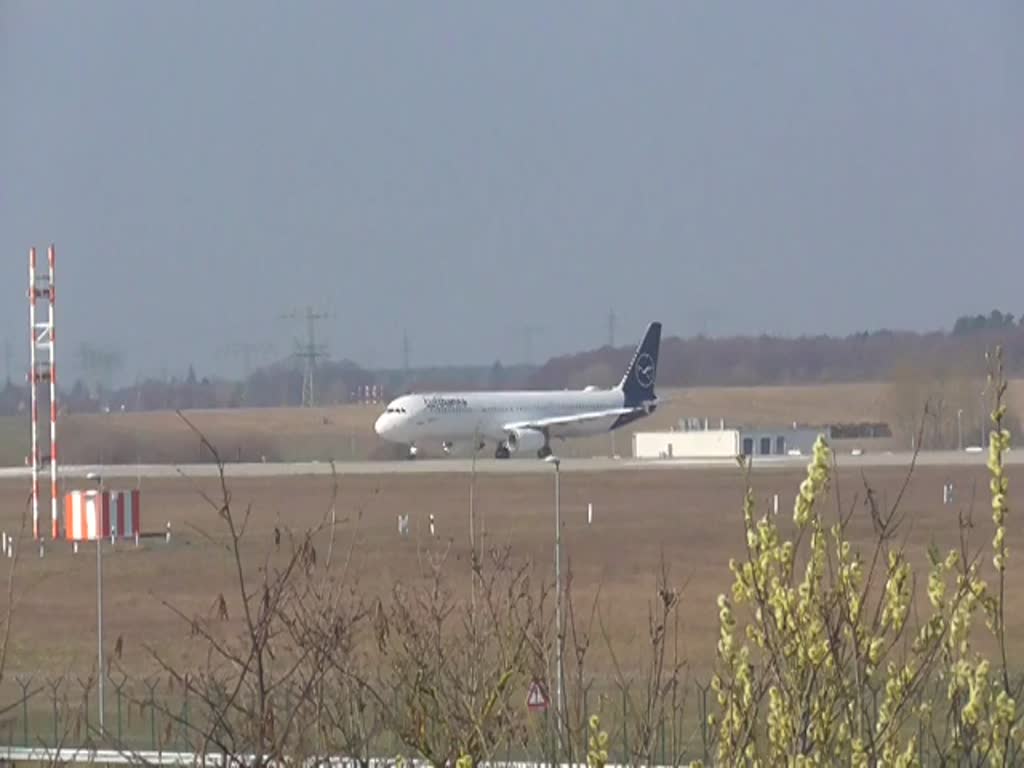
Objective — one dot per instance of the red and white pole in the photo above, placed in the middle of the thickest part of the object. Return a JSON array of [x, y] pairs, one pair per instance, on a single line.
[[32, 292], [53, 400]]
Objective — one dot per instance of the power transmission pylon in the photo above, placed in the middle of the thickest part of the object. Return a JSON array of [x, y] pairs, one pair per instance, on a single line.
[[247, 351], [529, 331], [98, 364], [309, 352]]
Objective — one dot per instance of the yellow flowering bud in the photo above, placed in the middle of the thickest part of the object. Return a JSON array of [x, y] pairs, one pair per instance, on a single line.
[[875, 650]]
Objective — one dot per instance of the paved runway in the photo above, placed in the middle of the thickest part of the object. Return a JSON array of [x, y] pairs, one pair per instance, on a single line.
[[509, 466]]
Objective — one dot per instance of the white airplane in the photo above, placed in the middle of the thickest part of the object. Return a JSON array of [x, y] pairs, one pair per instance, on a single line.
[[523, 422]]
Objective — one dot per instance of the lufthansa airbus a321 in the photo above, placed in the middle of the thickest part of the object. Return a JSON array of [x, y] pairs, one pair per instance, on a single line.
[[523, 422]]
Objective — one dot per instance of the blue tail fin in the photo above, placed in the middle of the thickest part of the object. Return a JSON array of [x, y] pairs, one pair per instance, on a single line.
[[638, 383]]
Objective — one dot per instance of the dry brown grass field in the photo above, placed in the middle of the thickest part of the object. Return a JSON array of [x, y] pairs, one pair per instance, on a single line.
[[346, 432], [690, 518]]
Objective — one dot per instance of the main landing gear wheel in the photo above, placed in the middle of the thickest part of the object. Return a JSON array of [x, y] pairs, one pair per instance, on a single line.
[[544, 452], [412, 452], [502, 452]]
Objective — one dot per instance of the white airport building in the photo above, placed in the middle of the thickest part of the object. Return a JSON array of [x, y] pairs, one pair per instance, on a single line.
[[725, 442]]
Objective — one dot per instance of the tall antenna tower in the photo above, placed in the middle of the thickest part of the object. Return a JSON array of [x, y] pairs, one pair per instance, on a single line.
[[309, 352], [43, 370]]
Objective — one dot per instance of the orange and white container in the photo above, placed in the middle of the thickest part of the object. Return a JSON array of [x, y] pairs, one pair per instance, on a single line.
[[89, 515]]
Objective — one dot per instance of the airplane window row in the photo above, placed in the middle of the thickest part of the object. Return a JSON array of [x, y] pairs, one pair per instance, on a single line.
[[506, 408]]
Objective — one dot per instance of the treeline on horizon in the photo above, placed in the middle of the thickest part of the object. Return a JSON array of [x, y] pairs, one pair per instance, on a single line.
[[685, 362], [769, 360]]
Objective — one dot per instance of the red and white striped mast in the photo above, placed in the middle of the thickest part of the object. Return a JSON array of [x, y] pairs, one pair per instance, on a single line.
[[42, 369]]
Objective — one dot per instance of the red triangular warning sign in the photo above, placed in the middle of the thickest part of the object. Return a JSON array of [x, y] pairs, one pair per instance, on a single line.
[[536, 699]]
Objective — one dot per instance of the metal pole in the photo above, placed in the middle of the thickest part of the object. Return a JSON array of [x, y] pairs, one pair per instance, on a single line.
[[99, 623], [99, 602], [34, 405], [982, 419], [959, 429], [558, 595], [472, 528], [54, 497]]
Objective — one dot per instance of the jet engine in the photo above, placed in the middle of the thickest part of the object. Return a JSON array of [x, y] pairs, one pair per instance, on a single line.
[[526, 440]]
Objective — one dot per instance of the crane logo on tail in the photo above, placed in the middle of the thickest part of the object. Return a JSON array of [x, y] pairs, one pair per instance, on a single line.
[[645, 370]]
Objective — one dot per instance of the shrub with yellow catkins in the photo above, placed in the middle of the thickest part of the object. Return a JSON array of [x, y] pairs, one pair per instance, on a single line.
[[597, 752], [832, 665]]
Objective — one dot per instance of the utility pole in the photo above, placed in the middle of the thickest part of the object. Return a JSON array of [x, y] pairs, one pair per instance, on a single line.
[[309, 352], [559, 671], [101, 673], [611, 344]]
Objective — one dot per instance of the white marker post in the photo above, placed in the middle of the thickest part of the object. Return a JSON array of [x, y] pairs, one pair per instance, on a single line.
[[590, 513]]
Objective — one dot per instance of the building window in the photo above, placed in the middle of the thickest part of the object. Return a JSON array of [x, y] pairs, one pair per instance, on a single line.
[[766, 446], [748, 446], [780, 444]]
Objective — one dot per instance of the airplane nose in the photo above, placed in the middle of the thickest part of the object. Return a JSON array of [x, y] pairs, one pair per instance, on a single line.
[[380, 426]]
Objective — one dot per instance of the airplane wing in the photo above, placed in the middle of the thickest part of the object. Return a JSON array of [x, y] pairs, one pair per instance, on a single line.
[[567, 421]]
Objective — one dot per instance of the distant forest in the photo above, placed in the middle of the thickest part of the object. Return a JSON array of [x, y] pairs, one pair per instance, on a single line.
[[689, 362], [768, 360]]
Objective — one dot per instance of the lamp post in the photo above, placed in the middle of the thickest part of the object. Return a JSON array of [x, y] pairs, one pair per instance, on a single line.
[[552, 459], [99, 595]]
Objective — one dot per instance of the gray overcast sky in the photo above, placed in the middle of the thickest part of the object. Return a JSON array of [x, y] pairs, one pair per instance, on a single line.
[[467, 169]]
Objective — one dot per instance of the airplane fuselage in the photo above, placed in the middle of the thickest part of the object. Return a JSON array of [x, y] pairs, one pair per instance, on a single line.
[[461, 416], [524, 421]]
